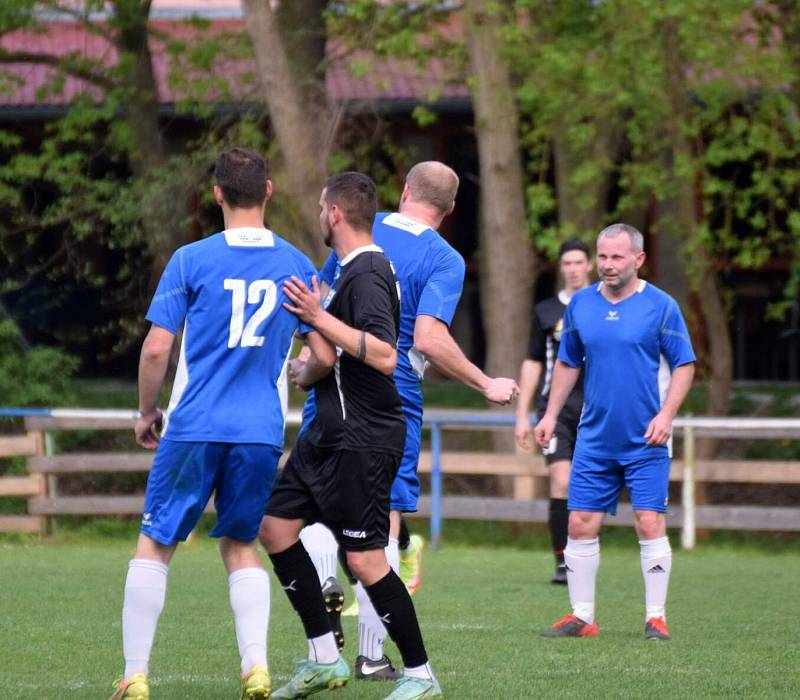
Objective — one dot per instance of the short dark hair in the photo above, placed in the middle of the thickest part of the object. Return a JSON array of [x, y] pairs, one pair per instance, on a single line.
[[574, 244], [356, 195], [242, 176]]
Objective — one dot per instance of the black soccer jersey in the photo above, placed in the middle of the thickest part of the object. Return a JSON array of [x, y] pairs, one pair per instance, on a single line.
[[543, 347], [358, 408]]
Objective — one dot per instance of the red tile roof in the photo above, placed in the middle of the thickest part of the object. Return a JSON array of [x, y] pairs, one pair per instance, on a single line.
[[32, 84]]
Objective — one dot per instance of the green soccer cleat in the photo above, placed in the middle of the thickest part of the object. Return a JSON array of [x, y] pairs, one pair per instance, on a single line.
[[137, 687], [411, 564], [408, 688], [351, 610], [256, 684], [311, 677]]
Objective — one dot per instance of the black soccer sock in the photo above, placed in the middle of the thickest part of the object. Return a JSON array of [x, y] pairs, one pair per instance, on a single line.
[[342, 553], [393, 604], [298, 578], [405, 536], [558, 522]]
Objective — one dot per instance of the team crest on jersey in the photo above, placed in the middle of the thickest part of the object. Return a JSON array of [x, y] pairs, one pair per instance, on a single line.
[[558, 329], [612, 316]]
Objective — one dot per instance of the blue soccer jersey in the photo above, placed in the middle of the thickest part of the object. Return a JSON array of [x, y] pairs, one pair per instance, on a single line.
[[227, 293], [628, 350], [430, 273]]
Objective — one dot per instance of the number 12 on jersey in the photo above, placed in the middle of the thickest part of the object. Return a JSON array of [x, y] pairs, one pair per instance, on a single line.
[[242, 334]]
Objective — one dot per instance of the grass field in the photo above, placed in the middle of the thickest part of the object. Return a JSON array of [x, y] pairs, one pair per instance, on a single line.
[[733, 615]]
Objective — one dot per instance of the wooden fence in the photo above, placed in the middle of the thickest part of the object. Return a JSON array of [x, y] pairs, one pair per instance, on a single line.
[[526, 471]]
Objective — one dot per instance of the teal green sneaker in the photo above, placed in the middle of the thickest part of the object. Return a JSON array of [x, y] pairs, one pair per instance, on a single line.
[[311, 677], [408, 688]]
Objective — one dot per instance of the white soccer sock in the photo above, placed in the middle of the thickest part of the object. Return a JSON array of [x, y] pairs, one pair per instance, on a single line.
[[323, 649], [249, 596], [371, 632], [582, 558], [656, 556], [423, 671], [393, 555], [322, 547], [145, 591]]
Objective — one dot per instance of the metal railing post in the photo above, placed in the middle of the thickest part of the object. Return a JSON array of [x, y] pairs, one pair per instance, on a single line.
[[688, 530], [436, 485]]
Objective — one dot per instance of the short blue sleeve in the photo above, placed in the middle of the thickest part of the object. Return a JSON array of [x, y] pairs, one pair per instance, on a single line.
[[442, 291], [328, 271], [570, 350], [308, 272], [170, 302], [676, 345]]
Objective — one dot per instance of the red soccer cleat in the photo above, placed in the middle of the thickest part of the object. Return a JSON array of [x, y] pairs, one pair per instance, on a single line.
[[571, 626]]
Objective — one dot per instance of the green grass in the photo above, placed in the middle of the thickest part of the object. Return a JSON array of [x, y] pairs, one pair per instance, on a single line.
[[732, 613]]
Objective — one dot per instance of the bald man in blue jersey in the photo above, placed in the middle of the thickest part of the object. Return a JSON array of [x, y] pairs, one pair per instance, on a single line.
[[632, 341], [430, 273]]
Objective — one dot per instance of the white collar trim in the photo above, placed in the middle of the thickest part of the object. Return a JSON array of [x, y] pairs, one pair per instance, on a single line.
[[371, 248], [249, 237], [639, 289]]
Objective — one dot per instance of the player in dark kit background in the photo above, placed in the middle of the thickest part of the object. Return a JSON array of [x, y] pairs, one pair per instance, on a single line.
[[575, 266], [341, 470]]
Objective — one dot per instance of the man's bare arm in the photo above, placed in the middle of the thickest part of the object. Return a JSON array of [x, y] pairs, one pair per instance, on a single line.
[[660, 428], [432, 338], [364, 346], [529, 374], [564, 379], [153, 364]]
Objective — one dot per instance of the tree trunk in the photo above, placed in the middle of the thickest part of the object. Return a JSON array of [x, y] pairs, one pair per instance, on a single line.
[[302, 128], [507, 262], [164, 221], [687, 219]]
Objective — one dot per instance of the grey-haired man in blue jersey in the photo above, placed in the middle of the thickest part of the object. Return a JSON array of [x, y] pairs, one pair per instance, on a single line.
[[632, 342]]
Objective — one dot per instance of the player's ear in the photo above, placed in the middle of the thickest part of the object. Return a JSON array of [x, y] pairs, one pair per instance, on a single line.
[[269, 190], [640, 258], [218, 198], [450, 210]]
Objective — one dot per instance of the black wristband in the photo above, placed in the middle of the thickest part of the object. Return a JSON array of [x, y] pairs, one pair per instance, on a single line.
[[362, 347]]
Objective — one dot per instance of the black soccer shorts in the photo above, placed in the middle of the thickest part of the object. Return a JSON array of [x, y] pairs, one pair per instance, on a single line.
[[345, 490]]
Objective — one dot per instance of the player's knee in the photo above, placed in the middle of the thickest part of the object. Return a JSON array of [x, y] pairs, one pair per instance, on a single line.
[[583, 526], [650, 525]]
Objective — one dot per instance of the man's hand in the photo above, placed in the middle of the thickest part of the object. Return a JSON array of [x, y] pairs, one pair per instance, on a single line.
[[306, 301], [147, 429], [501, 390], [659, 430], [295, 368], [523, 433], [544, 430]]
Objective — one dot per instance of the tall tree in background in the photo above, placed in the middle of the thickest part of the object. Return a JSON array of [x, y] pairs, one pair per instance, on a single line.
[[289, 47], [506, 257]]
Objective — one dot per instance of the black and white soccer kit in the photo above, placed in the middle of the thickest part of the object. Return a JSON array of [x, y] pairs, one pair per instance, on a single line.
[[543, 347], [341, 470]]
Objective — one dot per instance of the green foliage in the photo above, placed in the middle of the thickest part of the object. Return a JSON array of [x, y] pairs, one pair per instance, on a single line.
[[34, 376]]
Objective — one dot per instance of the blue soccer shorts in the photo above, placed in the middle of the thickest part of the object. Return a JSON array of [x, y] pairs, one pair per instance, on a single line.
[[595, 483], [405, 488], [185, 474]]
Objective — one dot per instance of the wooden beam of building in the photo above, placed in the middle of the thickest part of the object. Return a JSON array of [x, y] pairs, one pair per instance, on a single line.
[[19, 445], [20, 523]]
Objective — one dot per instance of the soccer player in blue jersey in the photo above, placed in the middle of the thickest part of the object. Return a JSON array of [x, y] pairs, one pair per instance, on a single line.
[[431, 276], [632, 342], [223, 430]]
